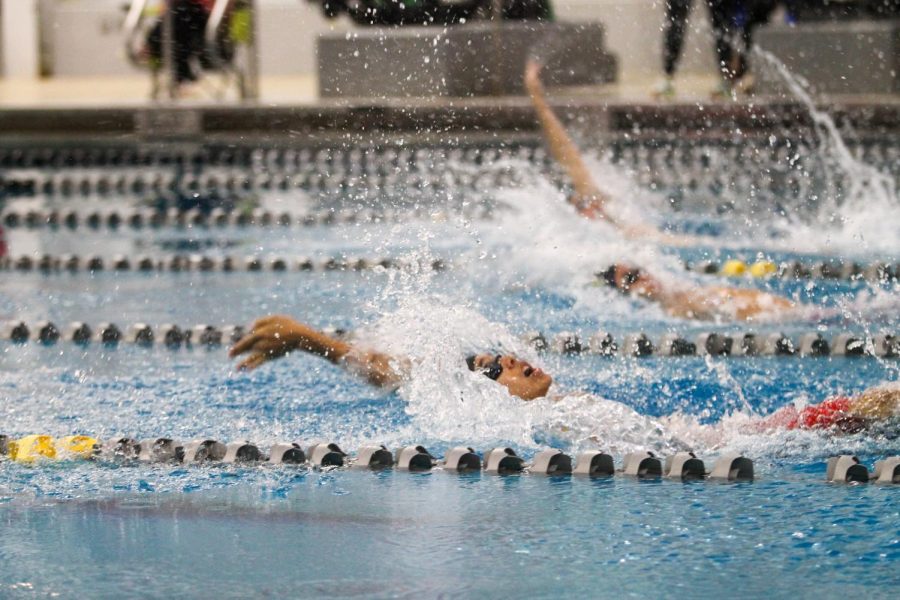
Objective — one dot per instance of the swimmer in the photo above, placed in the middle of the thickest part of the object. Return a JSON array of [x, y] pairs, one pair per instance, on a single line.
[[690, 302], [275, 336], [694, 302], [847, 414]]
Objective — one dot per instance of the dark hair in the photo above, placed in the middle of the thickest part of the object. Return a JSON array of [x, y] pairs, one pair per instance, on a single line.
[[609, 276], [492, 370]]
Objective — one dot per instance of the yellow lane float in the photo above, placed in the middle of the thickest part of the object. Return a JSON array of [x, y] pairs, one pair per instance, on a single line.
[[77, 446], [734, 268], [31, 448], [763, 268]]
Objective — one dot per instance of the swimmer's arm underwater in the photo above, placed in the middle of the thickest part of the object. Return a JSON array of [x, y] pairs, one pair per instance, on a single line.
[[275, 336]]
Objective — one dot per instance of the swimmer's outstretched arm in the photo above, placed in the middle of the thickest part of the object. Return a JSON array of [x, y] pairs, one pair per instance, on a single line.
[[588, 199], [275, 336]]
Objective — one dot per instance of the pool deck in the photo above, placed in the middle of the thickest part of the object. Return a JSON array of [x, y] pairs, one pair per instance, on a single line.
[[289, 108]]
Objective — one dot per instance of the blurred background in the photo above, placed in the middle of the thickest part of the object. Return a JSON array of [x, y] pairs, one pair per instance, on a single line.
[[96, 51]]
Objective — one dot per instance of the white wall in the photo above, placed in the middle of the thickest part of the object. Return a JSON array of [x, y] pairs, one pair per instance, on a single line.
[[84, 39], [19, 38]]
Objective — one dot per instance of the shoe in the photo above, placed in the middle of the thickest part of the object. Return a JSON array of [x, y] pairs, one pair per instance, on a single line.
[[725, 91], [664, 89], [189, 90], [746, 85]]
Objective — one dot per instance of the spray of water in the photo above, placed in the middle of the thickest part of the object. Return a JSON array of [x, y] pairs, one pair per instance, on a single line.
[[447, 403], [541, 242], [862, 214]]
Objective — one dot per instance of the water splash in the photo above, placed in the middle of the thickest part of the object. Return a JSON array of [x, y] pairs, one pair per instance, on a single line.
[[861, 202], [447, 404]]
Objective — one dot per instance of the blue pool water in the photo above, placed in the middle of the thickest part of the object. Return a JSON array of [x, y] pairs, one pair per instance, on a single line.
[[359, 534], [163, 530]]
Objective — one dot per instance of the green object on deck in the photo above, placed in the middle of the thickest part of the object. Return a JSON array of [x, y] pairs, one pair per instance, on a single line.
[[240, 26]]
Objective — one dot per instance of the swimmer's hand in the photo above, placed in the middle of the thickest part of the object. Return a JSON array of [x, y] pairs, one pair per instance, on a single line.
[[533, 75], [272, 337], [276, 335]]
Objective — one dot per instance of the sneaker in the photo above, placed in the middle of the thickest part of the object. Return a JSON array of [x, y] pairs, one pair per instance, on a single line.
[[725, 91], [746, 85], [664, 88], [190, 90]]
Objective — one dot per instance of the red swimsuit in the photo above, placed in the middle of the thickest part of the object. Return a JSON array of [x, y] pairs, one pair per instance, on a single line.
[[826, 414]]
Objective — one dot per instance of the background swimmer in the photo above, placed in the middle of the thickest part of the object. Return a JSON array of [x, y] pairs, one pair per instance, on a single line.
[[690, 302], [588, 198], [695, 302]]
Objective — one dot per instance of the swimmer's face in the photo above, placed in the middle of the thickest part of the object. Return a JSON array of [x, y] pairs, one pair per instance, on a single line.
[[519, 377]]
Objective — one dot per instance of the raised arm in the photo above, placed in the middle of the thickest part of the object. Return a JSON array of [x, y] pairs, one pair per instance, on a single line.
[[275, 336], [588, 198]]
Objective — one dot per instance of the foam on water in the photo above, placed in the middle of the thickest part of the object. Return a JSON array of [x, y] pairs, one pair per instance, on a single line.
[[541, 242], [853, 217], [544, 242]]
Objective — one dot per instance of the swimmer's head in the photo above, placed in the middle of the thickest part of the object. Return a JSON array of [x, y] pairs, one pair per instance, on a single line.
[[621, 277], [519, 377], [880, 403]]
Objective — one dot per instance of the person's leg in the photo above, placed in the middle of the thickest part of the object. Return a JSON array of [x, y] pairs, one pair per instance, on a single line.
[[758, 13], [154, 42], [720, 15], [188, 36], [196, 19], [677, 12]]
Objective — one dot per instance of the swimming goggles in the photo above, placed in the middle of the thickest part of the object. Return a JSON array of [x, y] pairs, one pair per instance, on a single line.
[[625, 282], [492, 370]]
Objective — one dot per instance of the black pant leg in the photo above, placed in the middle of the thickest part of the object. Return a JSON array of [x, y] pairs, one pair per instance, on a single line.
[[188, 36], [677, 12], [720, 15]]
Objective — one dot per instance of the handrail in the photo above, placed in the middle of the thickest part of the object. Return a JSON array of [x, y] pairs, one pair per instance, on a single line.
[[131, 26]]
